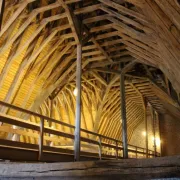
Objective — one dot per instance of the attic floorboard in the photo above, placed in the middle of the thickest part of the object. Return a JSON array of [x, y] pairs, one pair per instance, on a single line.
[[164, 167]]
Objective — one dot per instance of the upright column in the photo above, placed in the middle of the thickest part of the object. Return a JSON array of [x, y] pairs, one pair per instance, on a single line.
[[2, 7], [78, 104], [154, 130], [50, 122], [51, 112], [159, 133], [123, 116], [146, 127]]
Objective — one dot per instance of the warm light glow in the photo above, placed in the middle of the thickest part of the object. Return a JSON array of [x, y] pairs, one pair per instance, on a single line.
[[144, 133], [157, 140], [75, 92]]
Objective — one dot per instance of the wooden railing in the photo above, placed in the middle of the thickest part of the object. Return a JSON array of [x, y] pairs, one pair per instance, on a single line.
[[98, 139]]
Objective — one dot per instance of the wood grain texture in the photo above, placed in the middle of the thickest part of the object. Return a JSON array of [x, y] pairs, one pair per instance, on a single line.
[[38, 44], [167, 167]]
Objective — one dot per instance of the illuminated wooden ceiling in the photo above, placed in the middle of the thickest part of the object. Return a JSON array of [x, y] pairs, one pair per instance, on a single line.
[[38, 41]]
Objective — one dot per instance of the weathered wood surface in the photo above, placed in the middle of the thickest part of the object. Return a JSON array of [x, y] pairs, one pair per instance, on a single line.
[[166, 167], [38, 42]]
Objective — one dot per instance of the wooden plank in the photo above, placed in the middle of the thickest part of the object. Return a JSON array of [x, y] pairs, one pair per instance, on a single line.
[[20, 148], [123, 169]]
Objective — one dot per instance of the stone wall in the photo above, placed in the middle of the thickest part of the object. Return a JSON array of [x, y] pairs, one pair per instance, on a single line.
[[139, 137]]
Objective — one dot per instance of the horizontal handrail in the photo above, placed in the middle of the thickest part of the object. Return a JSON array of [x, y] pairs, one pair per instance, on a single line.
[[44, 129], [53, 120]]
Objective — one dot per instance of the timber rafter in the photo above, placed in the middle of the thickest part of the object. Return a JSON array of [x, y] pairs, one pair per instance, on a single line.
[[38, 41]]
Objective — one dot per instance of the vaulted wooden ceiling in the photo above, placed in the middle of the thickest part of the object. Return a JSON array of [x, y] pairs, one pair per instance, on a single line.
[[38, 41]]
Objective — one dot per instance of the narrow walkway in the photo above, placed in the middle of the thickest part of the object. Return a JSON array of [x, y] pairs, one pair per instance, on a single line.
[[104, 147]]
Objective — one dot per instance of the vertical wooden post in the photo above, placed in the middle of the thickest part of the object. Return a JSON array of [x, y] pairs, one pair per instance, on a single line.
[[146, 127], [136, 153], [50, 143], [167, 85], [78, 104], [41, 139], [2, 7], [154, 130], [144, 153], [154, 123], [51, 109], [100, 148], [123, 116], [158, 123], [117, 150]]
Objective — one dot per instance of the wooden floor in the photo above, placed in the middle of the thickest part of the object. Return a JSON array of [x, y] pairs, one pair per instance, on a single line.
[[21, 151], [24, 152], [164, 167]]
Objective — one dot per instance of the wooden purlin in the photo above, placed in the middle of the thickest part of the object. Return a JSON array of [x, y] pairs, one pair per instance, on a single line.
[[38, 54]]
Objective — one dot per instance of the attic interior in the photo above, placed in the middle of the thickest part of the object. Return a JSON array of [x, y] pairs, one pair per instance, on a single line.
[[89, 79]]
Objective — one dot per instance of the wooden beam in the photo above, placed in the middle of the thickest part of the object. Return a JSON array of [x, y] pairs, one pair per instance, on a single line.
[[27, 23], [41, 139], [11, 59], [87, 9], [99, 78], [124, 10], [72, 20], [104, 97], [126, 20], [106, 70], [2, 6], [128, 66], [154, 129], [160, 168], [101, 49], [146, 127], [105, 63], [77, 147], [123, 107], [123, 116], [15, 15]]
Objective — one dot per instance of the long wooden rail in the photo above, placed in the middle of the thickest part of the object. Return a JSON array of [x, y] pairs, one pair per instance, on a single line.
[[98, 141]]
